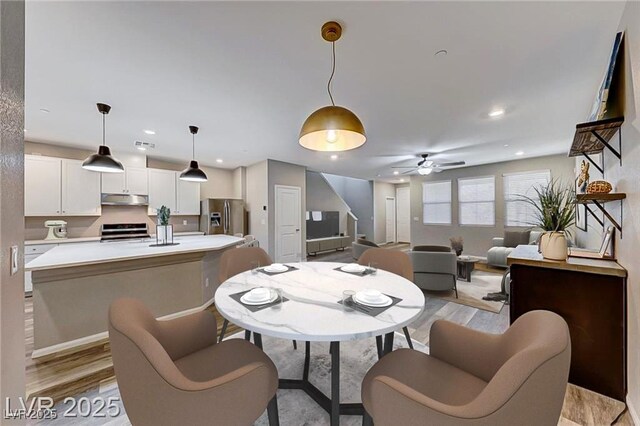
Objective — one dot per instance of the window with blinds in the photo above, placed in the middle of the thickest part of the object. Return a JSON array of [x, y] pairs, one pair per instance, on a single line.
[[516, 185], [477, 201], [436, 203]]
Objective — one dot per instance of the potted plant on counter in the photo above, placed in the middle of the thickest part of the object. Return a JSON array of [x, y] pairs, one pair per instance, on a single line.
[[164, 231], [457, 245], [554, 206]]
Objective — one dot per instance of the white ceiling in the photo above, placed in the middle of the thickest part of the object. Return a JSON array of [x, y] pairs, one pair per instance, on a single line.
[[249, 73]]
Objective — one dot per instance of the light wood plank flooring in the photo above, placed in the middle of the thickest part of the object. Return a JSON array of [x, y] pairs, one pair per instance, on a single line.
[[90, 371]]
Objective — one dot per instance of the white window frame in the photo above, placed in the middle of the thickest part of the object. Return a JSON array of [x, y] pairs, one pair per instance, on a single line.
[[512, 198], [424, 202], [461, 203]]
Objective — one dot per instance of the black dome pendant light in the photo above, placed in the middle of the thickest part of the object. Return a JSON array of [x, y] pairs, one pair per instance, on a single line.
[[193, 172], [103, 161]]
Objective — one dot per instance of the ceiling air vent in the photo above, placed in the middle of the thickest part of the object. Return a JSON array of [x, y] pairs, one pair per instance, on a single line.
[[143, 146]]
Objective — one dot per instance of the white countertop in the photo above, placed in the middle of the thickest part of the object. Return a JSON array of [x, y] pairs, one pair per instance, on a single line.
[[89, 239], [312, 312], [68, 255]]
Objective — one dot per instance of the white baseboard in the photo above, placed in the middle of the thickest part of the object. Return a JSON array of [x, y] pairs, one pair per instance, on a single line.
[[65, 346], [633, 412]]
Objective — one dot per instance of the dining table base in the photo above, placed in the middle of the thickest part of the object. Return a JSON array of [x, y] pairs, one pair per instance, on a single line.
[[331, 405]]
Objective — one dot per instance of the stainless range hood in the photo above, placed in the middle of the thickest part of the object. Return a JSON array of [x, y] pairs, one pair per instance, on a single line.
[[124, 200]]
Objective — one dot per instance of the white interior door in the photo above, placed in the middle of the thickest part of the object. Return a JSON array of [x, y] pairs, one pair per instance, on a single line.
[[403, 214], [288, 230], [391, 219]]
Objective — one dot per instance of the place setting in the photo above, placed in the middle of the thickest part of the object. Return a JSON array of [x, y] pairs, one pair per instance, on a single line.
[[274, 269], [369, 301], [259, 298], [357, 269]]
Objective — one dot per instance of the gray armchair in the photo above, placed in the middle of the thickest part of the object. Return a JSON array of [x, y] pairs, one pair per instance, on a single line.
[[434, 270], [360, 246]]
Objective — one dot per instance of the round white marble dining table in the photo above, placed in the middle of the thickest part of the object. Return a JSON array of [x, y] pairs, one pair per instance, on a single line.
[[312, 312]]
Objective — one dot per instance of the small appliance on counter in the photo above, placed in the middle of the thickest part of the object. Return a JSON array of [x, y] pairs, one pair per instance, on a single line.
[[57, 229], [124, 232], [222, 216]]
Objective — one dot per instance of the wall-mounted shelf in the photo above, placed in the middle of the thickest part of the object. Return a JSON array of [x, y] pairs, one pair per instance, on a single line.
[[593, 137], [599, 200]]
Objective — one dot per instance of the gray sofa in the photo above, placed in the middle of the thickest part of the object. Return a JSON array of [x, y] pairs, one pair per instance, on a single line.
[[360, 246], [435, 269], [503, 246]]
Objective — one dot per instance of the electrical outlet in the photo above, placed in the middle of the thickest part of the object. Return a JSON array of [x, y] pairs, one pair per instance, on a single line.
[[206, 282], [184, 222]]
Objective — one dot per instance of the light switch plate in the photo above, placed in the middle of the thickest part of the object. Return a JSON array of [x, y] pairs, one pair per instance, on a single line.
[[15, 267], [184, 222]]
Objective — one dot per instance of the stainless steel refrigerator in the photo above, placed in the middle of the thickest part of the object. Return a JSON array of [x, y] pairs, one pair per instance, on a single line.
[[222, 216]]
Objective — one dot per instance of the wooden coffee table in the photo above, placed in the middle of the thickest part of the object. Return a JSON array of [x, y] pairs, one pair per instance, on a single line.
[[465, 266]]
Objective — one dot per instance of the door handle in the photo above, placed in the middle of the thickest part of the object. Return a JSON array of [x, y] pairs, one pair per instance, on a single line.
[[297, 230]]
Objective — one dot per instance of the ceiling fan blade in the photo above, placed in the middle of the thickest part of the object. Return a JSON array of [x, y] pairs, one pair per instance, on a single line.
[[438, 170], [408, 171], [403, 167], [451, 164], [421, 162]]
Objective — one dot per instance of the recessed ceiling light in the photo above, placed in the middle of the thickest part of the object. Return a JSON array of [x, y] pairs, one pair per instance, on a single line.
[[334, 157], [25, 130], [402, 180], [496, 113], [440, 53], [396, 172], [506, 145], [150, 132], [218, 160], [519, 153], [46, 111]]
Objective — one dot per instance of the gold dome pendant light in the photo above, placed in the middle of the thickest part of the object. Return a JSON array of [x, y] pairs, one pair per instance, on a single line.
[[332, 128]]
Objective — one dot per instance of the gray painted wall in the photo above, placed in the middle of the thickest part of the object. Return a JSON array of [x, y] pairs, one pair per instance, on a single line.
[[322, 197], [12, 361], [358, 194], [477, 239], [280, 173]]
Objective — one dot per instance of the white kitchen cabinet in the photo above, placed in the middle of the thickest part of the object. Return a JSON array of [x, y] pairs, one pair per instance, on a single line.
[[162, 190], [80, 190], [60, 187], [187, 197], [42, 186], [134, 180], [137, 180], [31, 252]]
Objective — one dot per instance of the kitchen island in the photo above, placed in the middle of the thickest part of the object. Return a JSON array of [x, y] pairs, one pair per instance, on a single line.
[[73, 285]]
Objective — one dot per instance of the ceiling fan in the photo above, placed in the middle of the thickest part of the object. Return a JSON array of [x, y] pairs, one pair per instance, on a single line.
[[426, 166]]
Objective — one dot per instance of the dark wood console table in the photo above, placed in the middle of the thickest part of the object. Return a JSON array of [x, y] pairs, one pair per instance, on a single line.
[[591, 295]]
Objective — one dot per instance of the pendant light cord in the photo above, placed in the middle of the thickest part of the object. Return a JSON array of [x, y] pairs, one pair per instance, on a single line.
[[333, 70], [193, 146], [103, 128]]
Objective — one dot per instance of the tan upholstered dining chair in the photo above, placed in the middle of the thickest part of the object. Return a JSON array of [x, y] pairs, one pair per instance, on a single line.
[[175, 373], [474, 378], [235, 261], [396, 262]]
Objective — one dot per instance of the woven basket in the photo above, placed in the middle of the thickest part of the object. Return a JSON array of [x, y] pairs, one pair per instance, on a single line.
[[599, 187]]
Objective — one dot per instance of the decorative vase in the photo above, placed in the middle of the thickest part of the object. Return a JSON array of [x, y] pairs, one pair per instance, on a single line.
[[553, 246], [164, 234]]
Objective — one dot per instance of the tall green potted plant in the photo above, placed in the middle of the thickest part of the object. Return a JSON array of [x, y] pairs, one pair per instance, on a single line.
[[554, 206]]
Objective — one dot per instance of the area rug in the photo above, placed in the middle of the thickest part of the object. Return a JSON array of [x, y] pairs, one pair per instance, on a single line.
[[471, 294]]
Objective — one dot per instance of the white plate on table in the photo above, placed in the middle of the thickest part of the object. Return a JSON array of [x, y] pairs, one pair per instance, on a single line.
[[259, 296], [372, 297], [276, 267], [353, 268]]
